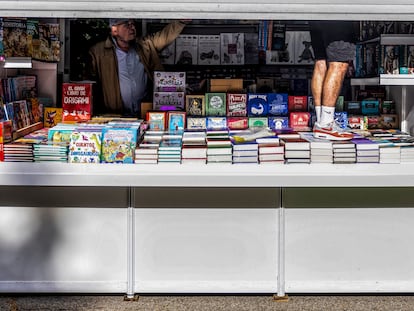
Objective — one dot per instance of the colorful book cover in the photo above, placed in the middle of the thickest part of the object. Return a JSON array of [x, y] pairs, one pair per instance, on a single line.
[[14, 37], [255, 122], [216, 104], [52, 116], [299, 120], [1, 143], [176, 120], [168, 101], [85, 146], [118, 144], [257, 105], [195, 105], [166, 81], [236, 105], [156, 120], [49, 49], [76, 102], [297, 103], [278, 104]]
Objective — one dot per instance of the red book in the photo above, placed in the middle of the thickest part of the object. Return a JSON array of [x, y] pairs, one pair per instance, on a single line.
[[297, 103], [299, 120], [76, 101], [1, 143]]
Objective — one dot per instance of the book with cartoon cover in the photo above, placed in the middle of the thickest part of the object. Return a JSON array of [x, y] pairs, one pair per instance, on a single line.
[[85, 146], [118, 144]]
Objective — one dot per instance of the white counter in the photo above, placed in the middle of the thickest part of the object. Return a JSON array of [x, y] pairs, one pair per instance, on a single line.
[[209, 175]]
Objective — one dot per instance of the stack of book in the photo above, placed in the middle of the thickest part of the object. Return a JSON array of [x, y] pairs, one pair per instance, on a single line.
[[390, 154], [321, 150], [49, 151], [169, 150], [344, 151], [194, 148], [367, 150], [18, 152], [146, 154], [297, 150], [245, 152], [407, 154], [270, 150], [219, 147]]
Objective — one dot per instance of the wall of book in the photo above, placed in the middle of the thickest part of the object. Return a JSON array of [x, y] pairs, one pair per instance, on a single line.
[[191, 97]]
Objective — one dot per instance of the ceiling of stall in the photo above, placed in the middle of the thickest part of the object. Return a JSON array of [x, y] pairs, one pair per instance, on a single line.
[[214, 9]]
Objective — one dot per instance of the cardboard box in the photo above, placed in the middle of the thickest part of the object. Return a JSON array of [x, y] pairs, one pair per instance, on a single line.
[[226, 85]]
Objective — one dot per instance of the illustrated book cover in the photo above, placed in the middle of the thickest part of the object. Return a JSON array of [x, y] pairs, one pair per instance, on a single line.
[[76, 102], [118, 144], [85, 146]]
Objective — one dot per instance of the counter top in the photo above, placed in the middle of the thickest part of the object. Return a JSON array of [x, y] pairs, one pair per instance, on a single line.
[[209, 175]]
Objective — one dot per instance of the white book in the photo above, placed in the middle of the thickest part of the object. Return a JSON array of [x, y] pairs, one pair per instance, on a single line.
[[209, 49], [186, 50]]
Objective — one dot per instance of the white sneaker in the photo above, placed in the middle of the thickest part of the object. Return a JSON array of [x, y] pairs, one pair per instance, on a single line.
[[333, 132]]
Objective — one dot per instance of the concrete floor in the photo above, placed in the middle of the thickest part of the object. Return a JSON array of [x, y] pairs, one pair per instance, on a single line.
[[208, 303]]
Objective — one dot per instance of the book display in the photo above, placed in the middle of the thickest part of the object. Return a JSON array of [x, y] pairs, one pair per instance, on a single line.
[[175, 204]]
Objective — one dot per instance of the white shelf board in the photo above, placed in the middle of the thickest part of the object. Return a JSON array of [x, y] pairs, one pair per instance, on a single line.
[[397, 39], [208, 175], [397, 79], [365, 81]]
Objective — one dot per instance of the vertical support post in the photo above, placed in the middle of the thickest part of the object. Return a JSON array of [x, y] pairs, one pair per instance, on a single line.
[[281, 294], [131, 246], [404, 126]]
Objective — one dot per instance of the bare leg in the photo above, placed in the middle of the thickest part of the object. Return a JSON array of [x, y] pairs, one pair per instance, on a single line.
[[318, 78], [333, 83]]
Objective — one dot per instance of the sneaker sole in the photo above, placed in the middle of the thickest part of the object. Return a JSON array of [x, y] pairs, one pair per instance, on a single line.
[[330, 137]]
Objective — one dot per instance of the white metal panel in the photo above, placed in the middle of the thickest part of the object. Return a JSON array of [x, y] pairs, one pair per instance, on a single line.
[[206, 250], [178, 175], [215, 9], [63, 249], [350, 250]]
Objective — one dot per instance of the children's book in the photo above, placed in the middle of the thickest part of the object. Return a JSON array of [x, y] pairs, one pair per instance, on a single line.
[[85, 146], [118, 144], [52, 116]]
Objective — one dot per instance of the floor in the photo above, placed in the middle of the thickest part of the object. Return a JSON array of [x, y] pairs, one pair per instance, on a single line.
[[208, 303]]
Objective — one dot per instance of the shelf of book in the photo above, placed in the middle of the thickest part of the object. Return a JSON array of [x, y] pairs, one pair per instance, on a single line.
[[207, 175]]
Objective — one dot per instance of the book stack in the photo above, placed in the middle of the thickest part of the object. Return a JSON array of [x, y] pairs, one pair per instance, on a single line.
[[321, 150], [18, 152], [169, 150], [194, 149], [344, 151], [219, 147], [146, 154], [367, 150], [407, 154], [390, 154], [246, 152], [297, 150], [49, 151], [270, 150]]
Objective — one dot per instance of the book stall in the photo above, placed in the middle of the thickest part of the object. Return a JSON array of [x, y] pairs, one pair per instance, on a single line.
[[217, 189]]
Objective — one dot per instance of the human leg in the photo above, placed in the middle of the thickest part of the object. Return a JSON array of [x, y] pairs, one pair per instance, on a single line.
[[317, 82], [331, 89]]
